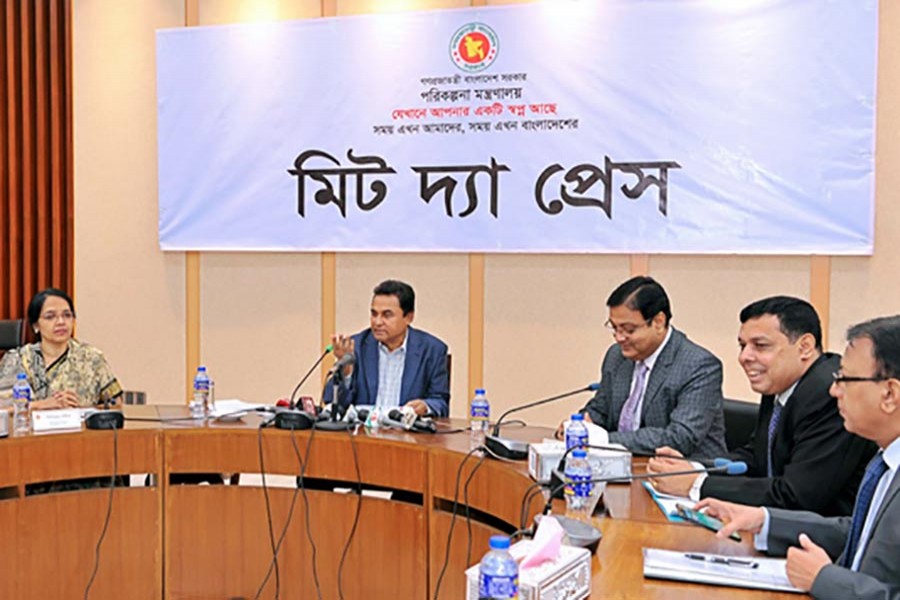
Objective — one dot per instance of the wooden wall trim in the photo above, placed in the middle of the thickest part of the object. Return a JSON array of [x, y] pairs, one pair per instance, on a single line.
[[191, 270], [476, 322], [639, 264], [329, 303], [820, 291]]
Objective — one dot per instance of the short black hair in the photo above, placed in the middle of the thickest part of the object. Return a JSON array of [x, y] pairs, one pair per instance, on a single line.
[[404, 292], [37, 304], [885, 335], [796, 316], [643, 294]]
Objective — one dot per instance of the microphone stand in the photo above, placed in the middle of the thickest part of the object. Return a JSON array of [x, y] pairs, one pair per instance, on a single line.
[[335, 423], [515, 449]]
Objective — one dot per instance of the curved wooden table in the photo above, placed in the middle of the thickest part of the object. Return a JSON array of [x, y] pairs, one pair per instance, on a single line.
[[173, 540]]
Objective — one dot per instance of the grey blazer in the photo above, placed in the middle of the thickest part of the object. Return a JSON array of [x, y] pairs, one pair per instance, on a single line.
[[879, 569], [682, 405]]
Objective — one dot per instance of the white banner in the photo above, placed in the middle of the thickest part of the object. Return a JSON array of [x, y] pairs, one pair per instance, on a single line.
[[677, 126]]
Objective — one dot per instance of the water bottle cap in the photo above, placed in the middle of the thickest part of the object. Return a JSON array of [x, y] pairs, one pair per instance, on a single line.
[[201, 368], [479, 391], [580, 453], [578, 417], [499, 542], [21, 376]]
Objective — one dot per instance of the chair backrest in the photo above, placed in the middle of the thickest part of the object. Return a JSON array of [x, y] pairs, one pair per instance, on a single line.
[[740, 420], [12, 333]]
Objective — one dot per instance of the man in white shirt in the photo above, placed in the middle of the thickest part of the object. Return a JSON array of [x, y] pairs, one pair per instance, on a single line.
[[845, 557]]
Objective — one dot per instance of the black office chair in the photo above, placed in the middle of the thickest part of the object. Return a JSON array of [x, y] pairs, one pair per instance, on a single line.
[[12, 334], [740, 420]]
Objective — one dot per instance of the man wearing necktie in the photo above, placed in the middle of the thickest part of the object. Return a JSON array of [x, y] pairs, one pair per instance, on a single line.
[[658, 388], [856, 556], [800, 456]]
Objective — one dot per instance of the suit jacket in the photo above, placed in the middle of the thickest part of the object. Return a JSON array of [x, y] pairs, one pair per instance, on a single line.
[[879, 570], [682, 405], [817, 464], [424, 372]]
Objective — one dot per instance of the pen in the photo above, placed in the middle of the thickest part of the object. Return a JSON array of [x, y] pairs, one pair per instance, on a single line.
[[724, 560]]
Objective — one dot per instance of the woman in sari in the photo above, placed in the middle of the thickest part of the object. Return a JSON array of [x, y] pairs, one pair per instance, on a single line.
[[62, 371]]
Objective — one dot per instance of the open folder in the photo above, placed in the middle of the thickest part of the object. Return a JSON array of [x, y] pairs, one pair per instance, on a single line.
[[734, 571]]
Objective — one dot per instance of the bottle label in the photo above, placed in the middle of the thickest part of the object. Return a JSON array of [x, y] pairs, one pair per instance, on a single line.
[[22, 393], [576, 440], [480, 410], [201, 385], [498, 586], [578, 485]]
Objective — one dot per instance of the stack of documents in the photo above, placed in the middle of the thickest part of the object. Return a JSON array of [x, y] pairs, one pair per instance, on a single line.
[[734, 571]]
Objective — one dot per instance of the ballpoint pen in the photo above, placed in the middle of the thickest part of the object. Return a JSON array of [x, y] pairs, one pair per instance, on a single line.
[[724, 560]]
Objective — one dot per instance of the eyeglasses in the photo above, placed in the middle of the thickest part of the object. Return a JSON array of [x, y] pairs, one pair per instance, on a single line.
[[52, 316], [841, 378], [626, 330]]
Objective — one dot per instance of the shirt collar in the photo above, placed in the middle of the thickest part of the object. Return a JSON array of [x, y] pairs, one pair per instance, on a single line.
[[651, 360], [400, 349], [892, 455], [784, 396]]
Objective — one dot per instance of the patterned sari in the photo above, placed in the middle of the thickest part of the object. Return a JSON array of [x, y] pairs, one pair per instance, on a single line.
[[81, 369]]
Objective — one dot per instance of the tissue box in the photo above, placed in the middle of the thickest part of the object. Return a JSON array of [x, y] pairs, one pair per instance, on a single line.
[[544, 457], [569, 576]]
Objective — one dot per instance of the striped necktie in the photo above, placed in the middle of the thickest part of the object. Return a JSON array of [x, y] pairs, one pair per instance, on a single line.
[[629, 420], [773, 427], [877, 467]]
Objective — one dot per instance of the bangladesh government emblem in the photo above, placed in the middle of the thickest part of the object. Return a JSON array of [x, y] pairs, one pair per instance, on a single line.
[[474, 47]]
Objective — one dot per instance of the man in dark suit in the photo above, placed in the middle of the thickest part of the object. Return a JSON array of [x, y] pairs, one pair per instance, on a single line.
[[658, 388], [396, 365], [800, 455], [846, 557]]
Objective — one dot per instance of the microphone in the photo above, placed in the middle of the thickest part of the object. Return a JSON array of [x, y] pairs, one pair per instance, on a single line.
[[336, 423], [587, 536], [345, 361], [407, 418], [515, 449], [328, 349]]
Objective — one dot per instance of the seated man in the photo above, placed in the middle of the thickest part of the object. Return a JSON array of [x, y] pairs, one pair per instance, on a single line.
[[800, 455], [658, 388], [846, 557], [395, 365]]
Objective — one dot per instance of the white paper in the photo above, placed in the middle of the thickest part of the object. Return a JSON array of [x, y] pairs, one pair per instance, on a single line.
[[769, 574]]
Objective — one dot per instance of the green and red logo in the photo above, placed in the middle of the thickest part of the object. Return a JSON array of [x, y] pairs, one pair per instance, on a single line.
[[474, 47]]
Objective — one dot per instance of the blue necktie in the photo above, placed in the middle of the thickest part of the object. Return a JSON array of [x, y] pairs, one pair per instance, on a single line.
[[877, 467], [773, 425]]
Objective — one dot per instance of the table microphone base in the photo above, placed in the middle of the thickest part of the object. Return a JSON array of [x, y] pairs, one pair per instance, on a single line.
[[580, 534], [295, 420], [506, 448], [105, 419], [333, 425]]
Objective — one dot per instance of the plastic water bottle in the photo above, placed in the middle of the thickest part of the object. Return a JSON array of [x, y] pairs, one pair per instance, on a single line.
[[200, 403], [479, 419], [498, 573], [576, 432], [21, 409], [578, 486]]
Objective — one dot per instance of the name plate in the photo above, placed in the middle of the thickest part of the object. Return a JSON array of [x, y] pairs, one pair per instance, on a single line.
[[65, 419]]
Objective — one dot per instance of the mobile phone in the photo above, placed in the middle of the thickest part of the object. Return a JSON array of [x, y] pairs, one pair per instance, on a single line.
[[697, 517]]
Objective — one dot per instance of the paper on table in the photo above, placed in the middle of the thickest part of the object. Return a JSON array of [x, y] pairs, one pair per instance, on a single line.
[[667, 503], [768, 574], [234, 408]]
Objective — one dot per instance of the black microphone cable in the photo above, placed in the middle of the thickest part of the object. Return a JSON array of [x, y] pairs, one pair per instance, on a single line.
[[262, 472], [307, 519], [290, 516], [359, 488], [112, 488], [468, 508], [440, 579]]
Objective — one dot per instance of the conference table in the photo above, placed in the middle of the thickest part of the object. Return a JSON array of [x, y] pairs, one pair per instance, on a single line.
[[172, 536]]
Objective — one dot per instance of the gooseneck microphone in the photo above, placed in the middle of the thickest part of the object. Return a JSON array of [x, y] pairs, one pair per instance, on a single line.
[[515, 449], [328, 350], [587, 536]]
